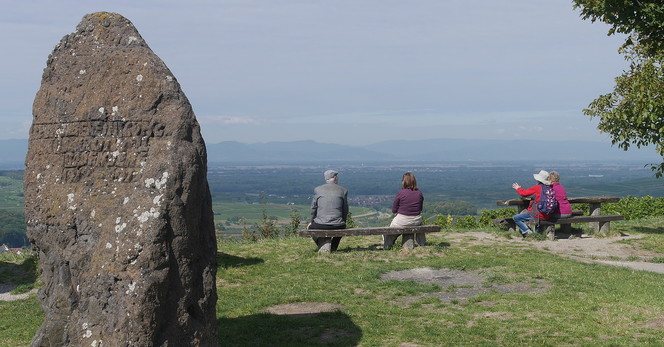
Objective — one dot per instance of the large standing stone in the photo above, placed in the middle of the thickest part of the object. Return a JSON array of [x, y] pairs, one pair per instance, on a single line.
[[116, 197]]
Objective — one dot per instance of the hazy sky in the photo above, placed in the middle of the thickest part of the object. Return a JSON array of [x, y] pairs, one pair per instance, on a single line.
[[350, 72]]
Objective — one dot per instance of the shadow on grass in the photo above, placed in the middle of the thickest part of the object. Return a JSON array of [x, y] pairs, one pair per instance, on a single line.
[[379, 247], [354, 249], [226, 260], [648, 230], [21, 277], [265, 329], [573, 233]]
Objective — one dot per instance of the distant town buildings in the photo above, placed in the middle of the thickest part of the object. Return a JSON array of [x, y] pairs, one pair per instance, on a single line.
[[370, 200], [6, 249]]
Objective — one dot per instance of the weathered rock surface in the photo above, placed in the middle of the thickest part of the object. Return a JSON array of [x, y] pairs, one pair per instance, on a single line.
[[116, 197]]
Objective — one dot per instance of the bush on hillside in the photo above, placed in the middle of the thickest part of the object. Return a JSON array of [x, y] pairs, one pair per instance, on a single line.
[[630, 207], [444, 222], [466, 222], [487, 216]]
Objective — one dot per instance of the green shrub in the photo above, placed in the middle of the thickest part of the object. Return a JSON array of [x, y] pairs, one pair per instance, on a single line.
[[350, 222], [466, 222], [295, 221], [487, 216], [444, 221], [631, 207], [585, 208]]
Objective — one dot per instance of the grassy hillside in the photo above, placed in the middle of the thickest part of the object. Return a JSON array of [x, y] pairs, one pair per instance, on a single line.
[[11, 191], [482, 287]]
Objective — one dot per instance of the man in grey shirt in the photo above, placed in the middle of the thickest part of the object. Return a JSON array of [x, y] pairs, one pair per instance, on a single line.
[[329, 207]]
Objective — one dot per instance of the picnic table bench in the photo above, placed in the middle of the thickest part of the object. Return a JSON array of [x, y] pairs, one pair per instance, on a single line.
[[596, 220], [324, 237]]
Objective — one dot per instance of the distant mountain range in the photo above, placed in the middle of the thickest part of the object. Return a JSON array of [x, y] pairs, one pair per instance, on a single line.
[[13, 152], [296, 151], [512, 150]]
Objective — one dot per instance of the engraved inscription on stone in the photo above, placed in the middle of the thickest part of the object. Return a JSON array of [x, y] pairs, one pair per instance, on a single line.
[[119, 146]]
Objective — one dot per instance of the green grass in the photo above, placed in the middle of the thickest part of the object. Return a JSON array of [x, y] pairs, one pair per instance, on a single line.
[[584, 303], [652, 230], [579, 303], [19, 321]]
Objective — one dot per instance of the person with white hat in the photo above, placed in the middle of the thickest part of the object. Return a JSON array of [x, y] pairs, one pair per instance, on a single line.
[[329, 207], [520, 219]]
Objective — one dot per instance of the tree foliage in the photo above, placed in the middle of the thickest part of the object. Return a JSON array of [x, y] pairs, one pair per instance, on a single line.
[[12, 229], [633, 208], [633, 114]]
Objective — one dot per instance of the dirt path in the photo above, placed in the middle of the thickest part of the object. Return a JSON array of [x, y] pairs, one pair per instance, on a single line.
[[605, 251], [6, 295], [586, 249]]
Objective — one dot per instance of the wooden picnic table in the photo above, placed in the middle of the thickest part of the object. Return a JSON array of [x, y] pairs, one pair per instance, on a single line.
[[595, 203], [595, 219]]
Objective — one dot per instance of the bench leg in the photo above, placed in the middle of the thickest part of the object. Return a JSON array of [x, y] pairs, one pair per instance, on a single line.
[[595, 210], [324, 244], [603, 227], [511, 226], [550, 232], [335, 243], [389, 240], [408, 241], [421, 239]]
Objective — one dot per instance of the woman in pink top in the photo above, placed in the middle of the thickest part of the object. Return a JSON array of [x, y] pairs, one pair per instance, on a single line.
[[564, 207]]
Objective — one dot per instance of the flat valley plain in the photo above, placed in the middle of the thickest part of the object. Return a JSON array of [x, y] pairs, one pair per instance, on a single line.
[[244, 194]]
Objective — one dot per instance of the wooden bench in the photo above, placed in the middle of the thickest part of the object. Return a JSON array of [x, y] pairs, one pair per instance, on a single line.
[[324, 237], [602, 223]]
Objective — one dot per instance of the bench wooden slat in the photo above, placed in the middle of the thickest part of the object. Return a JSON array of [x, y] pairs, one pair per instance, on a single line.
[[579, 200], [370, 231], [569, 220], [584, 219], [601, 223], [593, 200]]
